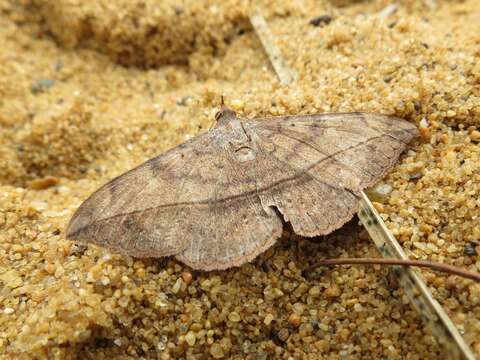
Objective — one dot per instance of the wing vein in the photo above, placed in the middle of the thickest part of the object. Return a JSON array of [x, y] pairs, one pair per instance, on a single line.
[[332, 156], [306, 172]]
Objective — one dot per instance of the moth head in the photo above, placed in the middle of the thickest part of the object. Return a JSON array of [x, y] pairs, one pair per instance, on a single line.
[[225, 114]]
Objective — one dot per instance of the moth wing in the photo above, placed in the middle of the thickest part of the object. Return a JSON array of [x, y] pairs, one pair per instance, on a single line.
[[190, 202], [327, 160]]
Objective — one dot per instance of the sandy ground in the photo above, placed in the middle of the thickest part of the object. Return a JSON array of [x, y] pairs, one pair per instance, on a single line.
[[89, 90]]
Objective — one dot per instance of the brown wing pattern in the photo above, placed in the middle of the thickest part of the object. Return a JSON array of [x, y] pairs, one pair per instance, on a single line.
[[330, 158], [185, 202]]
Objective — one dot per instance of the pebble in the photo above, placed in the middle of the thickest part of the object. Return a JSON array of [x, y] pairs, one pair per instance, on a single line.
[[314, 291], [383, 189], [190, 338], [216, 351], [423, 123], [469, 249], [332, 291], [475, 135], [234, 317], [294, 319], [283, 334], [298, 308], [321, 20], [187, 277], [43, 183], [177, 286], [268, 319], [272, 293]]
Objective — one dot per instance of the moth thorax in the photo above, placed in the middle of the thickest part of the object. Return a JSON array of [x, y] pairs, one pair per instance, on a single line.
[[224, 116]]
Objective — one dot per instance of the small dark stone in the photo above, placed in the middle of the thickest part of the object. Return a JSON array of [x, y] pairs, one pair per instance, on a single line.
[[283, 335], [102, 342], [416, 176], [469, 248], [78, 249], [321, 20], [42, 85], [265, 267], [56, 232], [425, 66]]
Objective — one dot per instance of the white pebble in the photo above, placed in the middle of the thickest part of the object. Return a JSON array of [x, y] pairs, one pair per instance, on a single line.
[[384, 189], [423, 123]]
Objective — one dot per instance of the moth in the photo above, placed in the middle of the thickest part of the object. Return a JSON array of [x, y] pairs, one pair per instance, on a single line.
[[218, 200]]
